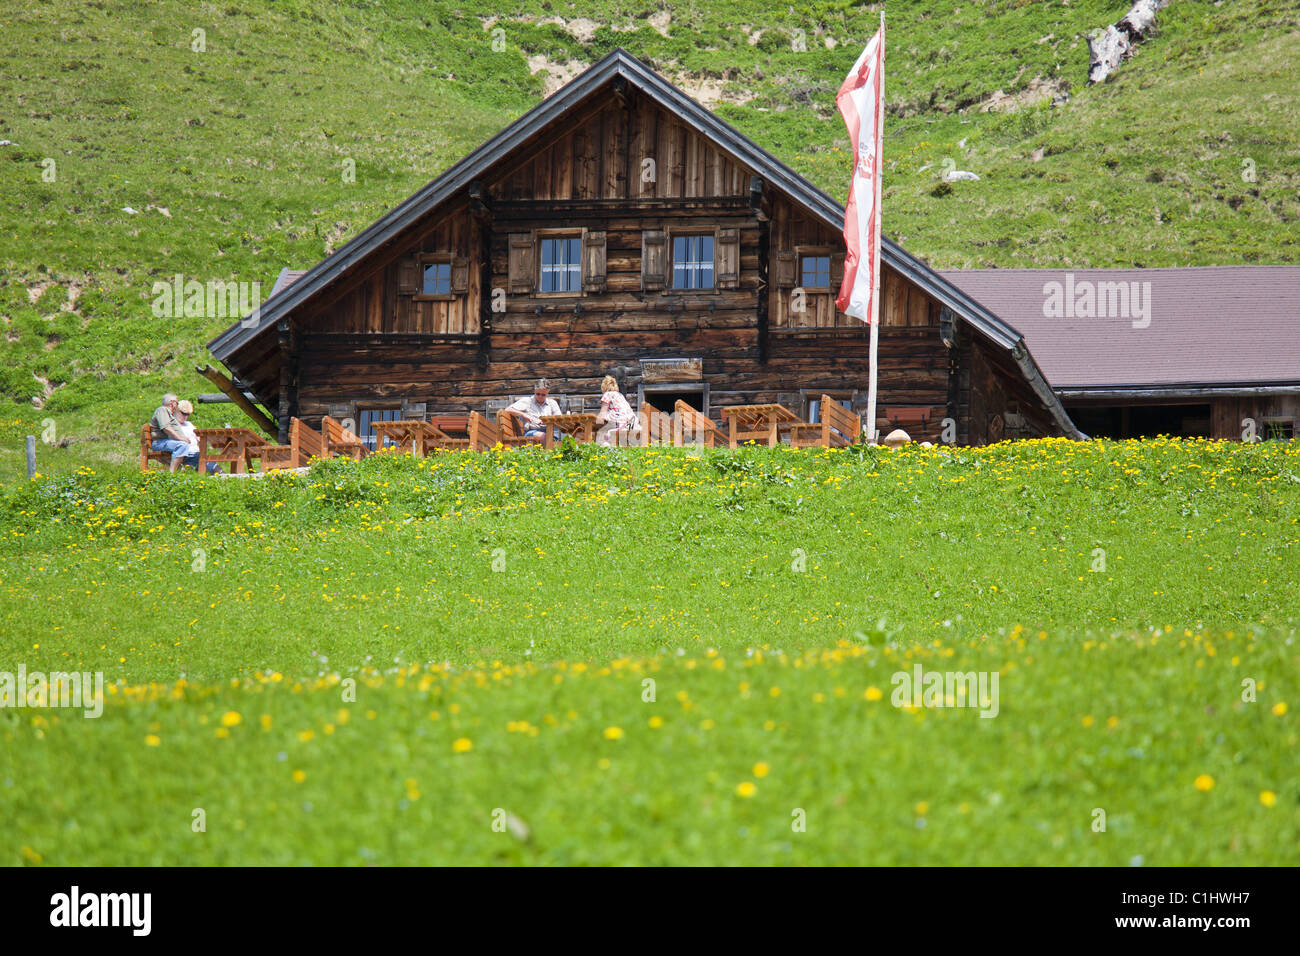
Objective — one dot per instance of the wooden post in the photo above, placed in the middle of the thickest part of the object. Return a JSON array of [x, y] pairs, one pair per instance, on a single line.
[[259, 417], [31, 457], [481, 218], [764, 251], [282, 432]]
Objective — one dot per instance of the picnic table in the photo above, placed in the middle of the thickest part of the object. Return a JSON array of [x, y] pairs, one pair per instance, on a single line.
[[581, 425], [414, 436], [757, 423], [235, 446]]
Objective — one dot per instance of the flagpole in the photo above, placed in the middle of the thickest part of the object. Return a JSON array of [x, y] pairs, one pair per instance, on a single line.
[[872, 432]]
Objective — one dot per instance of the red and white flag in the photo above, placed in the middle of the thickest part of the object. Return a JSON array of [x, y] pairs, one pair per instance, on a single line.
[[861, 103]]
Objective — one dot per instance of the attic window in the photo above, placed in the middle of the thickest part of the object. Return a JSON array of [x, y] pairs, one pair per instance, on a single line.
[[437, 278], [815, 273]]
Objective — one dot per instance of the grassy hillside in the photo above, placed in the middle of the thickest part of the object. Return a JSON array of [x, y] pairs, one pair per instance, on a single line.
[[375, 662], [231, 156]]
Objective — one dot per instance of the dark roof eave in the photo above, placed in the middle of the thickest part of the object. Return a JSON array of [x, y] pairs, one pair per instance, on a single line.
[[1177, 390]]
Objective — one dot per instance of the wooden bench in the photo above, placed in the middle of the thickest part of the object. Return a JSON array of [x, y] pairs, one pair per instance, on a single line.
[[340, 441], [902, 416], [838, 427], [689, 421], [656, 426], [147, 453], [305, 443]]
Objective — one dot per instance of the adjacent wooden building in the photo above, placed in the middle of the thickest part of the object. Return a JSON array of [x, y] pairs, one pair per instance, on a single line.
[[619, 227], [1196, 352]]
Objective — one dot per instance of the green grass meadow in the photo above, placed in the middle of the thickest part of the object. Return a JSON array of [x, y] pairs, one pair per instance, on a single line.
[[630, 656], [445, 661]]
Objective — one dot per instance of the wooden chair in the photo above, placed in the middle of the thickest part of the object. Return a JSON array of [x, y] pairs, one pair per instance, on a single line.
[[696, 424], [147, 453], [305, 443], [483, 432], [511, 425], [838, 427], [340, 441]]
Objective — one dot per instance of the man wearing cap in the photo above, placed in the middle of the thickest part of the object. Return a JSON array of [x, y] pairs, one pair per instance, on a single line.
[[167, 434], [532, 407]]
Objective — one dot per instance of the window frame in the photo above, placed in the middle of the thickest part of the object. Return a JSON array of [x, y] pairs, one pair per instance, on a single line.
[[1276, 420], [670, 260], [539, 237], [814, 252], [383, 408], [808, 396], [429, 259]]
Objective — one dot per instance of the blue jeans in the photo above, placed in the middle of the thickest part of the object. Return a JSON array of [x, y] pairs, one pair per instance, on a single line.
[[177, 449]]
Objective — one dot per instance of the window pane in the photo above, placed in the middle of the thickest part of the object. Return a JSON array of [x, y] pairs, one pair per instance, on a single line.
[[561, 265], [437, 278], [705, 259], [693, 262], [548, 265], [816, 272], [573, 260]]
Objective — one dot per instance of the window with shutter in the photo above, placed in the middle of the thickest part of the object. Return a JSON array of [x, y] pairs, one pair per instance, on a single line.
[[561, 264], [653, 259]]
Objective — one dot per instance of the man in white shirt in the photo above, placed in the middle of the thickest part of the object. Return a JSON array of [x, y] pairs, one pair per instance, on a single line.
[[532, 407]]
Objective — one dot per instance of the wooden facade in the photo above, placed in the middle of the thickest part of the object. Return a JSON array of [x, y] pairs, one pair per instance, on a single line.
[[1230, 413], [625, 175]]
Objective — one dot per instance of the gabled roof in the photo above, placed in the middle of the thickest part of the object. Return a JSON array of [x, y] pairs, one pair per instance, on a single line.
[[1226, 326], [621, 64]]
